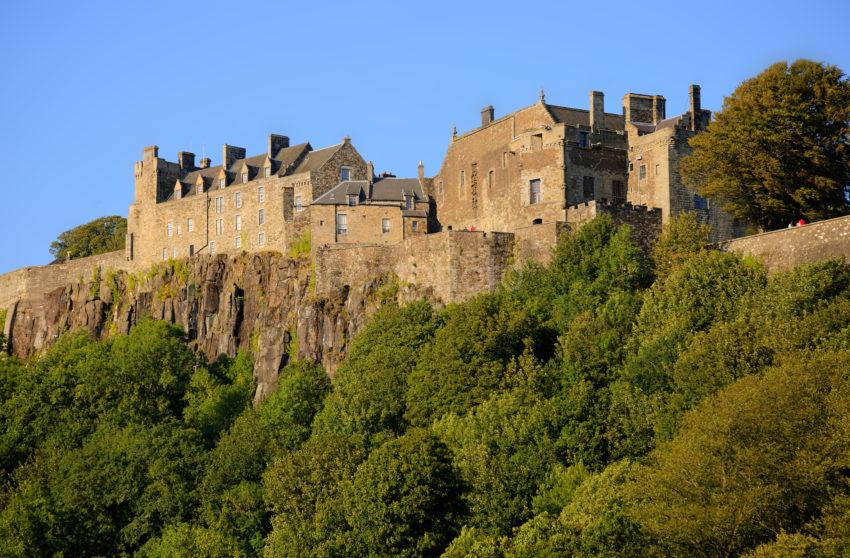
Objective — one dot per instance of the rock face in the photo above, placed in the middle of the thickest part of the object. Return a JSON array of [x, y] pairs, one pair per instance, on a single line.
[[262, 301]]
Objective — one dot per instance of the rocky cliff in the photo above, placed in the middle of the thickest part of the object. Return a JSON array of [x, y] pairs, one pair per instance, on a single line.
[[262, 301]]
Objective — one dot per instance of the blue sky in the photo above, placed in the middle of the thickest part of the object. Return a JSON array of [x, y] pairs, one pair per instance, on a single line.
[[86, 85]]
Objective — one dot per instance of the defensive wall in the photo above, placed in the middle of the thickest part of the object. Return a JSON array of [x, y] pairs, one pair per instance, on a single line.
[[785, 249], [451, 265]]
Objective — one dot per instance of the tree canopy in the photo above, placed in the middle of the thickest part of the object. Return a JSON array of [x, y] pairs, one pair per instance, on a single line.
[[779, 148], [105, 234]]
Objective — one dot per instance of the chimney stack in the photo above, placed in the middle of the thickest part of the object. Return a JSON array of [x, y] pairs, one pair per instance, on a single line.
[[487, 115], [695, 106], [230, 154], [186, 160], [659, 109], [150, 152], [421, 173], [276, 143], [205, 163], [370, 172], [597, 110]]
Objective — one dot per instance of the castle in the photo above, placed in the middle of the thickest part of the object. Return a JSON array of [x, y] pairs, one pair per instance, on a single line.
[[541, 165]]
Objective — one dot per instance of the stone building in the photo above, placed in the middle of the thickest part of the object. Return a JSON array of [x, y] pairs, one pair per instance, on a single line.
[[382, 210], [246, 203], [551, 164], [656, 144]]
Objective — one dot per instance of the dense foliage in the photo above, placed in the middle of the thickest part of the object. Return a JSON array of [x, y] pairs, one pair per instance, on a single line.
[[779, 149], [608, 404], [105, 234]]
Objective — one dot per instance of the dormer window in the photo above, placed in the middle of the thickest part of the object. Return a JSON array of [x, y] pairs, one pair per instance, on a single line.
[[267, 172], [408, 201], [352, 200], [222, 182], [344, 174], [244, 177]]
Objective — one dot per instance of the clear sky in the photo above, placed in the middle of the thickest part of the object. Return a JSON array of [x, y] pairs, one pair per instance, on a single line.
[[86, 85]]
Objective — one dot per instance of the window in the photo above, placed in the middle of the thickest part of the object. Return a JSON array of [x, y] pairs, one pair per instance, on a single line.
[[582, 139], [408, 201], [267, 172], [352, 200], [491, 179], [298, 206], [588, 187], [174, 252], [179, 229], [261, 194], [190, 225], [534, 191], [462, 181], [164, 254], [657, 169], [344, 174], [341, 223], [238, 222], [237, 242], [222, 182], [537, 142], [244, 177], [618, 191], [219, 204], [212, 248], [385, 225], [261, 239], [440, 187], [219, 227], [191, 249], [238, 199], [261, 217], [631, 167], [415, 225], [504, 159], [170, 229], [642, 173], [700, 202]]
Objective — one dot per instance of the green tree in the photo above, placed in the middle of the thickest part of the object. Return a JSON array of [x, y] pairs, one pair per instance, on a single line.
[[105, 234], [404, 500], [681, 237], [764, 455], [779, 148]]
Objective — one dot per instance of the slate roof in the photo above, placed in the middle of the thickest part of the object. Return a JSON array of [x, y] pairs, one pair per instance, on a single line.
[[581, 117], [280, 163], [388, 189]]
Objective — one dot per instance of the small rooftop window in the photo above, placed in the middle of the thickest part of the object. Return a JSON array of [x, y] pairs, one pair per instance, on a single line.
[[352, 200], [344, 174], [244, 177], [408, 201]]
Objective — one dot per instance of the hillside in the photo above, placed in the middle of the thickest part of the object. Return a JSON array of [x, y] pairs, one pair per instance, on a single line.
[[608, 404]]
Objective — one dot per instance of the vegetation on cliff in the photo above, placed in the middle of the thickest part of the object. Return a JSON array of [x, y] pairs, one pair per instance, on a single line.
[[779, 148], [606, 405]]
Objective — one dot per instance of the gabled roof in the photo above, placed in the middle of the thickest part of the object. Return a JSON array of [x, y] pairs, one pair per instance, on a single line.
[[315, 159], [382, 190], [581, 117]]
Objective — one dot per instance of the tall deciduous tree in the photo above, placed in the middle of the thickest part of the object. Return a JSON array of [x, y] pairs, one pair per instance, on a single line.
[[101, 235], [779, 149]]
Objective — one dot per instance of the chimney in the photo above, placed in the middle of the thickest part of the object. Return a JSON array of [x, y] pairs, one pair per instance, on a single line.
[[487, 115], [150, 152], [370, 172], [230, 154], [205, 163], [421, 173], [659, 109], [597, 110], [276, 143], [186, 160], [346, 139], [695, 106]]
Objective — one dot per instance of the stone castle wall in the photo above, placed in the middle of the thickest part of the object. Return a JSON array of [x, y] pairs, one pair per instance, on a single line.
[[785, 249], [34, 281], [450, 266]]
